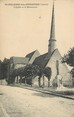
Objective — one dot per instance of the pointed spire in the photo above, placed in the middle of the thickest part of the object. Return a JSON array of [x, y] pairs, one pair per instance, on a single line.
[[52, 45], [52, 33]]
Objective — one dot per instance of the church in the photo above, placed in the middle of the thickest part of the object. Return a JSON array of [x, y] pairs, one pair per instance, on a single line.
[[53, 59]]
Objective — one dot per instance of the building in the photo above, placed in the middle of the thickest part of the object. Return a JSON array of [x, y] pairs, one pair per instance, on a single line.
[[19, 62], [53, 59], [31, 56]]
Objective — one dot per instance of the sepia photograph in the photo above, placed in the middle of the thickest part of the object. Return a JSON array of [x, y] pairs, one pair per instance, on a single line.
[[36, 58]]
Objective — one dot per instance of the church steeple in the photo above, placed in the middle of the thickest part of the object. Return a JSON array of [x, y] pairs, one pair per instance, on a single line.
[[52, 41]]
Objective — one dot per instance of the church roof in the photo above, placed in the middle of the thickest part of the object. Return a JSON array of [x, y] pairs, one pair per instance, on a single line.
[[42, 60], [30, 55]]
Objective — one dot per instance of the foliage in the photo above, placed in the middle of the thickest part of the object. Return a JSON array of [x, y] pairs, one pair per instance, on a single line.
[[30, 70], [72, 72], [4, 68], [69, 57], [47, 72], [1, 77]]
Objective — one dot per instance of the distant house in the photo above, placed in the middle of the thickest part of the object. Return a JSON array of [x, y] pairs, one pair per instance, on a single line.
[[17, 62]]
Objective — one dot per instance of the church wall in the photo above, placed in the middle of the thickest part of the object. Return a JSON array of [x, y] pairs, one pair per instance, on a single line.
[[52, 64], [65, 73], [63, 70]]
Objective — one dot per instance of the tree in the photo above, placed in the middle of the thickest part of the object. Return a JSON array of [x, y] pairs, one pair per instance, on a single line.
[[1, 77], [5, 68], [47, 72], [40, 73], [30, 71], [72, 72], [13, 74], [20, 73], [16, 73], [69, 58]]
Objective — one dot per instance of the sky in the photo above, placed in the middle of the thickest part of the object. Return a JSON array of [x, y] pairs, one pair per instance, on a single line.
[[25, 26]]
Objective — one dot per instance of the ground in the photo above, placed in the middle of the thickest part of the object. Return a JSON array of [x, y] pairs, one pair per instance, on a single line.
[[19, 102]]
